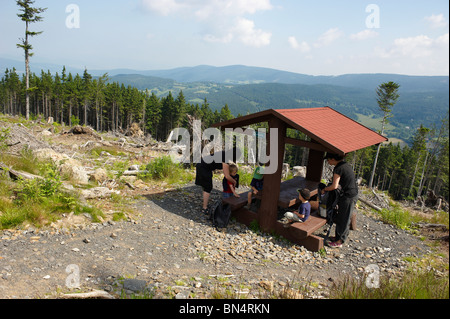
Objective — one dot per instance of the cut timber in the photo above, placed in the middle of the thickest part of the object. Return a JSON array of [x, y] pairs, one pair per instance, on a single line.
[[96, 294], [15, 175], [370, 204]]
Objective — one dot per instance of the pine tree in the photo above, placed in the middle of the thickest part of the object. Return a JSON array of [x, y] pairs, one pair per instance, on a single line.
[[87, 94], [28, 15], [387, 97]]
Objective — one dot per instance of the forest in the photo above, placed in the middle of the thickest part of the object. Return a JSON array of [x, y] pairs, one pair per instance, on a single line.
[[405, 172]]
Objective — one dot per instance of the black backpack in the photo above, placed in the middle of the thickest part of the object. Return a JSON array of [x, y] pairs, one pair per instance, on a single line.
[[220, 214]]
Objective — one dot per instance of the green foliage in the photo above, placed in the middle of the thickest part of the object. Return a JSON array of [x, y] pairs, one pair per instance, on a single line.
[[163, 168], [415, 284], [74, 120], [4, 134], [398, 217], [36, 190], [38, 201]]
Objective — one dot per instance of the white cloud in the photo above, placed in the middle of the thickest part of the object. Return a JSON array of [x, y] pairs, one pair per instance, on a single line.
[[211, 8], [222, 18], [206, 9], [227, 38], [364, 35], [328, 37], [416, 47], [303, 47], [245, 31], [436, 21], [162, 7]]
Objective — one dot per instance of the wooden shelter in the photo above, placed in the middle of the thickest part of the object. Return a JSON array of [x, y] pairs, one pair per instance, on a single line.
[[328, 131]]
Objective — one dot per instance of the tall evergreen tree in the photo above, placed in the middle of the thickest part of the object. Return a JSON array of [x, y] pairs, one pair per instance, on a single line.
[[87, 94], [29, 15], [387, 97]]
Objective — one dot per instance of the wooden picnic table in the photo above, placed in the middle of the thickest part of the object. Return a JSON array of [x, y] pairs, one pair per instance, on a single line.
[[288, 194]]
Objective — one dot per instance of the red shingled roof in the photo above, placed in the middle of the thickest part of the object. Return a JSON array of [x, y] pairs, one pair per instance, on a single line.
[[335, 131], [331, 128]]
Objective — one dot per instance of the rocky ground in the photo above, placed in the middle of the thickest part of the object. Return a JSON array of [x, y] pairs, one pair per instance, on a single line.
[[174, 252], [166, 249]]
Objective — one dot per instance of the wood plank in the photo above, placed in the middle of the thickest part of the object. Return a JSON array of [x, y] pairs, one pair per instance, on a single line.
[[294, 234], [236, 203], [307, 228], [288, 191], [312, 242], [267, 214]]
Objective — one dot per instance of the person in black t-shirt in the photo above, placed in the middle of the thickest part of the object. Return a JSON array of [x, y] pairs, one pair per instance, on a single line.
[[344, 177], [205, 169]]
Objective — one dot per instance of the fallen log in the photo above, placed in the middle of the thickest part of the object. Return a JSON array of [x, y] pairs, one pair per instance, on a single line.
[[370, 204], [15, 175], [134, 173], [96, 294], [429, 225]]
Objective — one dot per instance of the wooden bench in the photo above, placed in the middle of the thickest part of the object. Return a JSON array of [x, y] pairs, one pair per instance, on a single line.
[[307, 228], [299, 233], [235, 202]]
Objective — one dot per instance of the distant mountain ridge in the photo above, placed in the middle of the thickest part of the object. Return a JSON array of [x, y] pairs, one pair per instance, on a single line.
[[423, 99], [240, 74]]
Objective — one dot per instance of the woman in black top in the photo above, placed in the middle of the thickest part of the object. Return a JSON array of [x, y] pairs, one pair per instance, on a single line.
[[344, 177], [204, 174]]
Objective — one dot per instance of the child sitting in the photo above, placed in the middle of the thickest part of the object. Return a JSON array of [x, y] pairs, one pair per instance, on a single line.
[[256, 184], [229, 189], [304, 210]]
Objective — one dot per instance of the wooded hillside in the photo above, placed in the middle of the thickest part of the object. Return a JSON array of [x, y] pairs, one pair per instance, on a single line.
[[405, 172]]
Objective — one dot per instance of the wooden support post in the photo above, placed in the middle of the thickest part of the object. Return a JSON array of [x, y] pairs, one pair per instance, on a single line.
[[267, 214], [315, 165]]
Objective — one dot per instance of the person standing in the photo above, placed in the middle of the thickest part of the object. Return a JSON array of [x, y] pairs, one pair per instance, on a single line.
[[204, 173], [344, 177]]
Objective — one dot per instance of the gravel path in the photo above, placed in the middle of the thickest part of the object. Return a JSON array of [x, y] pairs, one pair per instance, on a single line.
[[173, 252]]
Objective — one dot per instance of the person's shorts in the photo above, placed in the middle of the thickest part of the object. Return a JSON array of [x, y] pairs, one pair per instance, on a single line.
[[257, 183], [204, 178], [292, 216], [227, 195]]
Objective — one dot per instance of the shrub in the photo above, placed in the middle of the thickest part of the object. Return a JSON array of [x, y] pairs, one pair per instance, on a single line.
[[398, 217], [39, 189], [163, 168]]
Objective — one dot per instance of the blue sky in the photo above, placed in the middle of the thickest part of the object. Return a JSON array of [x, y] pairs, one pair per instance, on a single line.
[[310, 37]]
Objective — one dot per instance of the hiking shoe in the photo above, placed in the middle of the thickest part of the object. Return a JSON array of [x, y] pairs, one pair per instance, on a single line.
[[205, 211], [334, 244]]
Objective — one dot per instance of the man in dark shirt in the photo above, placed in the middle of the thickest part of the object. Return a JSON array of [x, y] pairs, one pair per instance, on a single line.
[[344, 177]]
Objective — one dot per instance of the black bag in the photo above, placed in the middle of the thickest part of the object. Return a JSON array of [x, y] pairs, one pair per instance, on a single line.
[[331, 199], [332, 205], [220, 214]]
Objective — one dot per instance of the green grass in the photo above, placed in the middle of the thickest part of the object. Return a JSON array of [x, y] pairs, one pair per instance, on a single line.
[[415, 284], [37, 201], [164, 169], [398, 217]]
